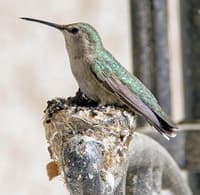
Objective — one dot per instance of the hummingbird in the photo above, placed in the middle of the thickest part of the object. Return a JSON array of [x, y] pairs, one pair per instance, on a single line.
[[103, 79]]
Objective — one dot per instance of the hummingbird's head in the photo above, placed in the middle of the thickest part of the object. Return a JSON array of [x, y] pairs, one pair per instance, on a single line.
[[80, 38]]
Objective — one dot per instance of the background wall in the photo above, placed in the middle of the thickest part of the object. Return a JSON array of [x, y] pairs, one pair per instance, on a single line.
[[34, 67]]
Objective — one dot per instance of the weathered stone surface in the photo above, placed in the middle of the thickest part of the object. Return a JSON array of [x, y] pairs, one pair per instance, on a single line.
[[190, 25], [175, 146], [184, 148], [190, 31], [151, 168], [192, 150]]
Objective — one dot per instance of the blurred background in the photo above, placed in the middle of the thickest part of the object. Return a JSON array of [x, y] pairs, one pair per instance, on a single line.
[[34, 67]]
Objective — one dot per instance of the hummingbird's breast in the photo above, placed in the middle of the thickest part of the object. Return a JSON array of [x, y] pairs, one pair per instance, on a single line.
[[88, 83]]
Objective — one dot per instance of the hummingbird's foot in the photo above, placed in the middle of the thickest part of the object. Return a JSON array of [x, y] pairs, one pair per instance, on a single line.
[[81, 99]]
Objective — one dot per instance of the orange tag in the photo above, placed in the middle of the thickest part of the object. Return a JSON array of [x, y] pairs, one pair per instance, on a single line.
[[52, 170]]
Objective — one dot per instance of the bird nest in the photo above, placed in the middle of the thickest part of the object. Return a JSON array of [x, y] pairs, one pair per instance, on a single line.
[[110, 127]]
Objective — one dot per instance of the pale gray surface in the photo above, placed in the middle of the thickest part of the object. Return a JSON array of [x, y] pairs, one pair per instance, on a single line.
[[151, 163]]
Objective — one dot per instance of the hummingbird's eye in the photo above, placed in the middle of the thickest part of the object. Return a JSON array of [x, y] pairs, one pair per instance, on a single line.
[[74, 30]]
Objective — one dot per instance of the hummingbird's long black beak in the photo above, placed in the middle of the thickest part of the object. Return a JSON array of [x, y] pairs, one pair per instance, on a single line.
[[58, 26]]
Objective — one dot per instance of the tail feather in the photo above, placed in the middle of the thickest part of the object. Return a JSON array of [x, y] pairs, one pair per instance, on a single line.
[[164, 128]]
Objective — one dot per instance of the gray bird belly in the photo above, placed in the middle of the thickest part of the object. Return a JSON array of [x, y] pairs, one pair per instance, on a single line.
[[95, 90], [92, 88]]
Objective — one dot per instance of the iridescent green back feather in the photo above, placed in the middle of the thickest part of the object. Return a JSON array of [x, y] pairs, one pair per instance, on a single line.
[[106, 63]]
